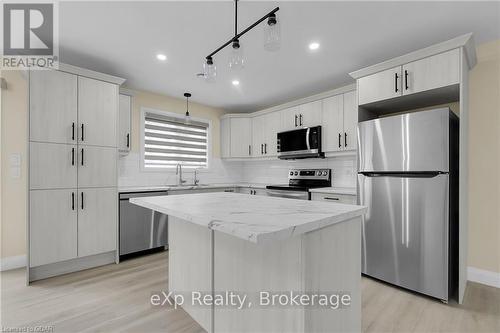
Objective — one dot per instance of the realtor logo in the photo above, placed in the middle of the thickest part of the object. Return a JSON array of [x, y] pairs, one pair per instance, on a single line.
[[29, 36]]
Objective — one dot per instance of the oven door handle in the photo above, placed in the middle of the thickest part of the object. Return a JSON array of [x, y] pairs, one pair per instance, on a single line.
[[287, 194], [308, 143]]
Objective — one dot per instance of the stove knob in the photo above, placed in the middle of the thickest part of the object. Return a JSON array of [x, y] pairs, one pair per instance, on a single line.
[[325, 173], [296, 173], [318, 173], [291, 173]]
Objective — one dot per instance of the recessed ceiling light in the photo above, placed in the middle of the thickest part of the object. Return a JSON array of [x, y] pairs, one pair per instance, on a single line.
[[236, 83], [161, 57], [313, 46]]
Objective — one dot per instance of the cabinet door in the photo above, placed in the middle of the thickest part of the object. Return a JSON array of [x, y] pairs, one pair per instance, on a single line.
[[241, 137], [97, 166], [97, 221], [225, 137], [53, 226], [350, 121], [380, 86], [433, 72], [53, 101], [272, 125], [258, 136], [97, 112], [290, 118], [310, 114], [52, 165], [124, 123], [332, 128]]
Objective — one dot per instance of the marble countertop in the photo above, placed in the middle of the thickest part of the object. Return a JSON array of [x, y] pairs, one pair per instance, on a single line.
[[335, 190], [254, 218], [128, 189]]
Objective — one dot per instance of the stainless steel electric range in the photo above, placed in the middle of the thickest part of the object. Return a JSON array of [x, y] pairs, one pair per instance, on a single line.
[[299, 183]]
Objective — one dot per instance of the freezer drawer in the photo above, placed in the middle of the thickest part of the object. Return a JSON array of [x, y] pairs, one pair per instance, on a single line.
[[416, 141], [405, 230]]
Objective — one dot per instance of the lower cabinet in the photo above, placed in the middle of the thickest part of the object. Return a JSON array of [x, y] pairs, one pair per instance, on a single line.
[[341, 198], [252, 191], [53, 226], [97, 220]]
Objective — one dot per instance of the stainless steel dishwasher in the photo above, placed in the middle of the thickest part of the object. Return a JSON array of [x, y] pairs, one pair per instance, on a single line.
[[141, 228]]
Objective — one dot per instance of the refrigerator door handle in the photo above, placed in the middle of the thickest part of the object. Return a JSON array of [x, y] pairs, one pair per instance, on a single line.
[[420, 174]]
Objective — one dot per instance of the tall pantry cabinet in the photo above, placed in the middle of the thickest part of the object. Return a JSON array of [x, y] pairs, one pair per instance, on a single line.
[[72, 211]]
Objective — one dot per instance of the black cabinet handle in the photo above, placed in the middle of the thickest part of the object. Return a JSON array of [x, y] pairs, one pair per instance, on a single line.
[[82, 133], [396, 82], [300, 119], [406, 79], [72, 200], [328, 198], [72, 156], [81, 193], [340, 138], [261, 149], [249, 150], [265, 148], [345, 139], [82, 157], [295, 120], [73, 131], [128, 140]]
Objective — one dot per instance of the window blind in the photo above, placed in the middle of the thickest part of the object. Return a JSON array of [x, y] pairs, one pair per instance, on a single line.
[[169, 141]]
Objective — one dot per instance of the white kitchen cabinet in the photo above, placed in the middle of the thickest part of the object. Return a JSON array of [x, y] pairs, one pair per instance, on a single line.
[[53, 106], [97, 216], [52, 166], [97, 166], [332, 197], [97, 112], [265, 128], [433, 72], [339, 123], [252, 191], [124, 122], [380, 86], [350, 120], [333, 123], [225, 137], [241, 137], [53, 226], [290, 118], [310, 114]]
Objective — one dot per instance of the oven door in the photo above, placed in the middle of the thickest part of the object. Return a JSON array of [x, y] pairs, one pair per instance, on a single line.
[[300, 195], [300, 143]]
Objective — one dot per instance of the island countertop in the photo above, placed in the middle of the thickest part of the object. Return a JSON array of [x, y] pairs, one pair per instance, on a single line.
[[253, 218]]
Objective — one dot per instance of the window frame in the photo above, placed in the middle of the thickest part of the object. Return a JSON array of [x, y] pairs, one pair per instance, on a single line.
[[180, 116]]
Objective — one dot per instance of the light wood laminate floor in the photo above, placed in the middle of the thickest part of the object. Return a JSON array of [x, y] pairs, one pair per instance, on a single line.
[[115, 298]]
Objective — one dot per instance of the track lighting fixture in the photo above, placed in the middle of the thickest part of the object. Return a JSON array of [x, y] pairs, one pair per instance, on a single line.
[[188, 116]]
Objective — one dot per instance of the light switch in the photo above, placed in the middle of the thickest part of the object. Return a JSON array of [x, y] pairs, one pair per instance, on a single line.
[[15, 160]]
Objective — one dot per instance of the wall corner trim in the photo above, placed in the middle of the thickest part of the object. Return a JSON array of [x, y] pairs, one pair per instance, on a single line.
[[484, 277], [13, 262]]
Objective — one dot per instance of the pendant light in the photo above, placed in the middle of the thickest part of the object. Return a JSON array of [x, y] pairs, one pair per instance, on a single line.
[[272, 34], [209, 70], [188, 116], [237, 59]]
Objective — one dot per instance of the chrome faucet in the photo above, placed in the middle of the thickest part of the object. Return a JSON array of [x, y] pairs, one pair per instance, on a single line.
[[195, 179], [178, 172]]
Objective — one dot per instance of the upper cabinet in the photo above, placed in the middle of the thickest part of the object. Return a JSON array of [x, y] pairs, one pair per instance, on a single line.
[[433, 72], [240, 137], [265, 129], [339, 122], [97, 112], [124, 120], [304, 115], [53, 106]]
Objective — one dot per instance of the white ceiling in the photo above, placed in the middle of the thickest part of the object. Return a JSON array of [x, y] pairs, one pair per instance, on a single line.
[[122, 38]]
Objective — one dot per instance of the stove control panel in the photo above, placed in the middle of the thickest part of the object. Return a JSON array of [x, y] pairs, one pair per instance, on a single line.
[[319, 174]]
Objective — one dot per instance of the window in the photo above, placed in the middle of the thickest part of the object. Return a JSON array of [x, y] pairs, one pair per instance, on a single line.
[[169, 140]]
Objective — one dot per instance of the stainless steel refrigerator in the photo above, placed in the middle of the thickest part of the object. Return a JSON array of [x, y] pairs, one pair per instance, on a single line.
[[408, 179]]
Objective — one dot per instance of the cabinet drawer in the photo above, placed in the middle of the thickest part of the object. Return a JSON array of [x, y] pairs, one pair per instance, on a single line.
[[341, 198]]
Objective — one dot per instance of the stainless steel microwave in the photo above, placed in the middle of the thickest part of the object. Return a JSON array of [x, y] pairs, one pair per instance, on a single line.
[[300, 143]]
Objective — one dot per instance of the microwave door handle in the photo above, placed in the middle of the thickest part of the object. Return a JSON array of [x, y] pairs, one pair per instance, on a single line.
[[308, 143]]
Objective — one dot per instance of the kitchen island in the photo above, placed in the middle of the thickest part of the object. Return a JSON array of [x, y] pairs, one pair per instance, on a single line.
[[256, 254]]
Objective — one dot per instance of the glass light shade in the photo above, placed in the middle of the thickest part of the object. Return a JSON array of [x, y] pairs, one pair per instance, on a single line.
[[209, 72], [237, 58], [272, 36]]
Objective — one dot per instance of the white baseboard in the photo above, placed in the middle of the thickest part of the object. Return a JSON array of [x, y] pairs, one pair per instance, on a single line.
[[484, 277], [14, 262]]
